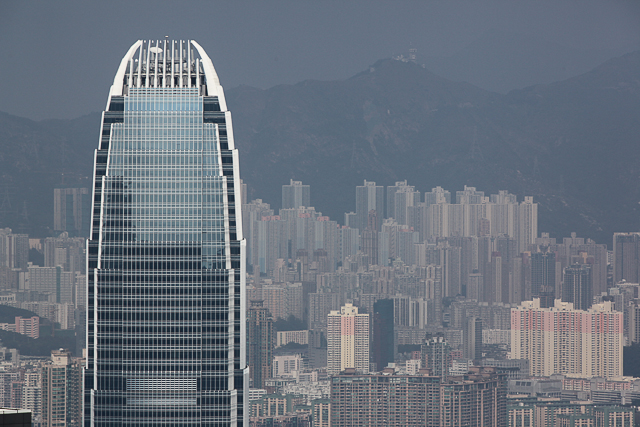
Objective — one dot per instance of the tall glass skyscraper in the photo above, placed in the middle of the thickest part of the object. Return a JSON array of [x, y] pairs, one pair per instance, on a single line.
[[166, 274]]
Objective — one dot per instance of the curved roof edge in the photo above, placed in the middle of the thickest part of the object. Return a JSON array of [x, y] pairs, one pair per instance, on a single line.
[[116, 87], [213, 82], [213, 87]]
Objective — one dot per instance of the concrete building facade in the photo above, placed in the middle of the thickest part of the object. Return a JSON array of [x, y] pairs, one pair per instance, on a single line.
[[347, 340], [562, 340]]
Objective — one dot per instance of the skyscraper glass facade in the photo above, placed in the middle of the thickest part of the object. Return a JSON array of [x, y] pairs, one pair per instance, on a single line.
[[166, 322]]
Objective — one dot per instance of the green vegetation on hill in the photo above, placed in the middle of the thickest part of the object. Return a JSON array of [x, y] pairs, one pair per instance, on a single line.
[[572, 145], [8, 314], [408, 348], [291, 324], [36, 257], [293, 346], [39, 347]]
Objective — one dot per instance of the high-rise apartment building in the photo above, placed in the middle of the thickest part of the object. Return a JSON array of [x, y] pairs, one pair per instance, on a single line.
[[403, 199], [469, 196], [349, 243], [527, 231], [14, 250], [32, 393], [166, 273], [260, 343], [29, 326], [252, 213], [438, 195], [300, 229], [369, 197], [281, 299], [584, 251], [577, 286], [435, 353], [476, 399], [563, 340], [632, 322], [347, 340], [54, 281], [472, 338], [67, 252], [62, 390], [72, 210], [296, 195], [321, 410], [268, 244], [399, 198], [543, 277], [369, 244], [322, 303], [383, 345], [626, 257], [391, 203]]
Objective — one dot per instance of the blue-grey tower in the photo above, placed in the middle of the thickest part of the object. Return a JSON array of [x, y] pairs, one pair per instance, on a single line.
[[166, 273]]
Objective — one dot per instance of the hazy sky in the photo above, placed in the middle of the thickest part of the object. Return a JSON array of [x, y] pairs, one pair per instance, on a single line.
[[58, 58]]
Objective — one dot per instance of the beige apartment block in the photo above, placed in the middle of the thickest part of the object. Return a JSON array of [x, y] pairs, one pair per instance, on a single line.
[[347, 340], [562, 340]]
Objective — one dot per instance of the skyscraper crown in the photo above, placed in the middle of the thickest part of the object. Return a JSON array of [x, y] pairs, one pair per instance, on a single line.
[[167, 64]]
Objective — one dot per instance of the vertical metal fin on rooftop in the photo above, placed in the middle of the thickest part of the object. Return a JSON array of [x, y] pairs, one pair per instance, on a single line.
[[150, 64]]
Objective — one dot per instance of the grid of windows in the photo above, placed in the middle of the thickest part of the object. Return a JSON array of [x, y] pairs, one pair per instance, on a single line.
[[164, 278]]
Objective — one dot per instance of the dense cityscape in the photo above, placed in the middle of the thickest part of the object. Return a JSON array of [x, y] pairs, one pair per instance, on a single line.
[[453, 294], [166, 290], [406, 308]]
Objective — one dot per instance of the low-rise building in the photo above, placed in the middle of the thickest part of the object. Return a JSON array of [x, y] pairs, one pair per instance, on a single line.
[[298, 337], [29, 326], [286, 365], [273, 405]]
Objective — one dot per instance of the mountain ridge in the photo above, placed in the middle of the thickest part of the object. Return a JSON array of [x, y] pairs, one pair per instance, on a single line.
[[570, 144], [531, 130]]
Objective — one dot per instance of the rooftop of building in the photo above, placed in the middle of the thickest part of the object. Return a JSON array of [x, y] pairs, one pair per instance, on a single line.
[[14, 411], [167, 64], [559, 305]]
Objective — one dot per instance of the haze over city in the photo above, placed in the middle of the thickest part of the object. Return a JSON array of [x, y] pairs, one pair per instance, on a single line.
[[57, 54], [418, 207]]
